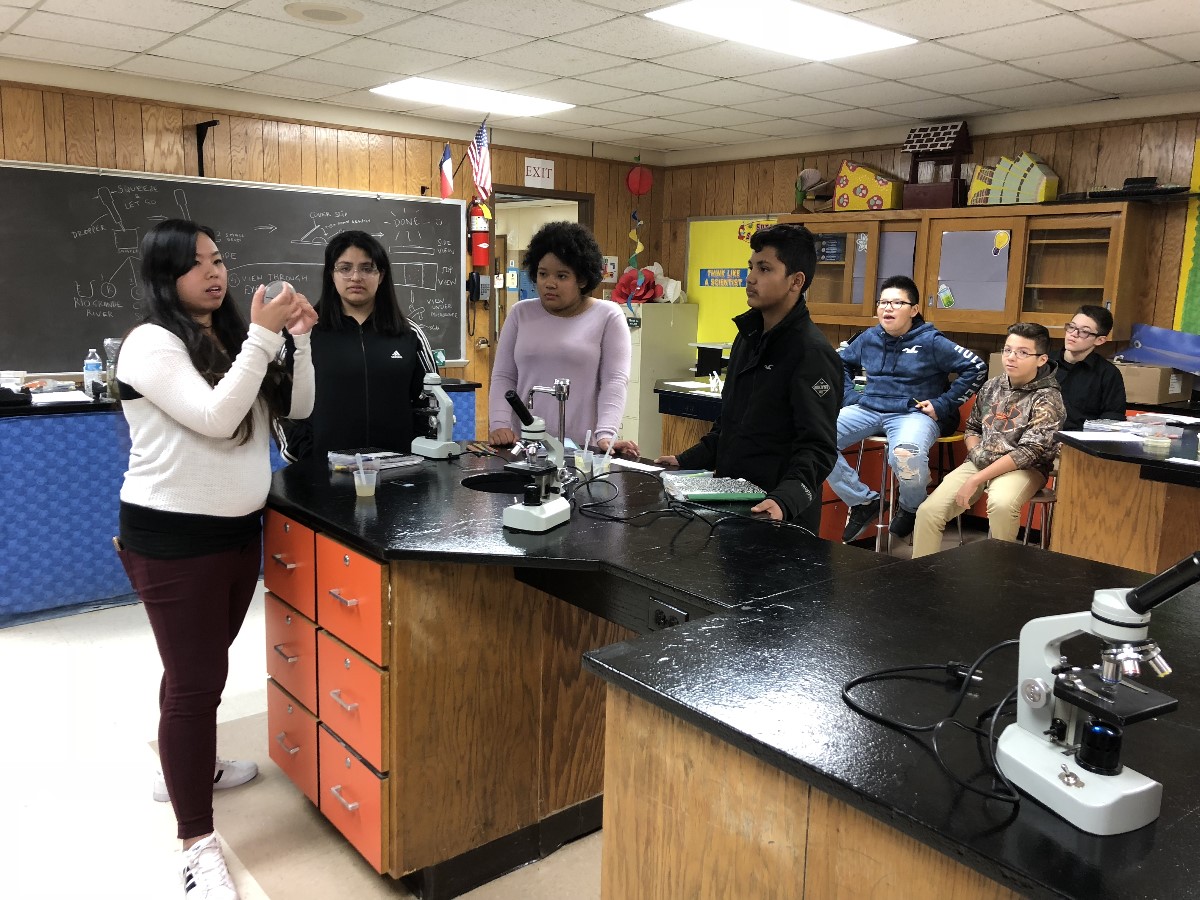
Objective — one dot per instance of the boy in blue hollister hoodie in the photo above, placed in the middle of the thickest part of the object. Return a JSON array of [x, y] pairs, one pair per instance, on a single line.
[[908, 397]]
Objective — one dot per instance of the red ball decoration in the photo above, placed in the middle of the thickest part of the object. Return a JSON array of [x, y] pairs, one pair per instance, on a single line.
[[639, 180]]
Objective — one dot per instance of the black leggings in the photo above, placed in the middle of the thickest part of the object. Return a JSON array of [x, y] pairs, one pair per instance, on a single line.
[[196, 607]]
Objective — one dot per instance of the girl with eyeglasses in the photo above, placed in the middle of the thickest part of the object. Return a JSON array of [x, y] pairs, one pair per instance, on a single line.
[[370, 358]]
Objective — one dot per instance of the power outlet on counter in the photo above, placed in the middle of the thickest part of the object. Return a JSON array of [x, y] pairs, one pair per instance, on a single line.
[[664, 615]]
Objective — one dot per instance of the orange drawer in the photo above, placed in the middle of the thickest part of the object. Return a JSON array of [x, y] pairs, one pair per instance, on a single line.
[[288, 562], [352, 697], [293, 736], [350, 594], [353, 798], [291, 650]]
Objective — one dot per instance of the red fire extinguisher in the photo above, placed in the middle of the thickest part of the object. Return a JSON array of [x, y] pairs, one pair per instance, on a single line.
[[479, 234]]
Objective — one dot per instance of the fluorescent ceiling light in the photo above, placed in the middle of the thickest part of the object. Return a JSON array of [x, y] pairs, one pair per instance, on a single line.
[[463, 96], [782, 26]]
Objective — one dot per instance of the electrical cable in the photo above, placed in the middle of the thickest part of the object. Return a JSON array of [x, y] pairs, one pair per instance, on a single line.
[[966, 675]]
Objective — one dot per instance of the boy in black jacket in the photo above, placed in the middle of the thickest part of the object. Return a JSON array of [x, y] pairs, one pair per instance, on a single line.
[[779, 408]]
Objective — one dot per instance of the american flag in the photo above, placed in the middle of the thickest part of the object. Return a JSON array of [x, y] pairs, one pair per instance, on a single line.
[[481, 162]]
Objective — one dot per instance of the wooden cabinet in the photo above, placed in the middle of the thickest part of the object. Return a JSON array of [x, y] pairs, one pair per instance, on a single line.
[[982, 268]]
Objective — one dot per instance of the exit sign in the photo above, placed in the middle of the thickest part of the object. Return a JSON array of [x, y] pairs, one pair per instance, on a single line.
[[539, 173]]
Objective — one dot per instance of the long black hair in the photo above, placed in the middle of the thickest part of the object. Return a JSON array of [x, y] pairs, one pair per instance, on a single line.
[[387, 317], [169, 253]]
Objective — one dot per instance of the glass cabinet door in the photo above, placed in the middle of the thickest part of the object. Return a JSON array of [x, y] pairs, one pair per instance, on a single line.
[[975, 266], [1067, 265], [847, 258]]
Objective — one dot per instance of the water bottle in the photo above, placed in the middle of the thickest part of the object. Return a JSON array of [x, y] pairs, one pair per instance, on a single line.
[[92, 367]]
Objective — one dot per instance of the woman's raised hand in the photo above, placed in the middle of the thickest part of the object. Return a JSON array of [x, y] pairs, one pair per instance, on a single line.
[[277, 313], [305, 318]]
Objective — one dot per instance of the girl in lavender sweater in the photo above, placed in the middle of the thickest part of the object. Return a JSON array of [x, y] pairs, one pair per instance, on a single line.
[[564, 334]]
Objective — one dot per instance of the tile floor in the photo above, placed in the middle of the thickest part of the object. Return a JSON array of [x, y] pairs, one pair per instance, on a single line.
[[77, 819]]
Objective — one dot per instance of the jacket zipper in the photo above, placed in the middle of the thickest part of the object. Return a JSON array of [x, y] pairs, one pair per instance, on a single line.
[[362, 346]]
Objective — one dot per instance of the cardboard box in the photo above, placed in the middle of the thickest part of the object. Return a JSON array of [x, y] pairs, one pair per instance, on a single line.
[[1154, 384], [995, 365], [858, 186]]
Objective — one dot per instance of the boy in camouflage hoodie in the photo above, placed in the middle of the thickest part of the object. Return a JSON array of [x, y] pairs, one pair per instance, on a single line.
[[1009, 440]]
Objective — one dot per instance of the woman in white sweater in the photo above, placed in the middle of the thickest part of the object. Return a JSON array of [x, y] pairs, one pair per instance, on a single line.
[[200, 391]]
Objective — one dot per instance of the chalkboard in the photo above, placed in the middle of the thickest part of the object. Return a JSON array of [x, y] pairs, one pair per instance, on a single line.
[[70, 239]]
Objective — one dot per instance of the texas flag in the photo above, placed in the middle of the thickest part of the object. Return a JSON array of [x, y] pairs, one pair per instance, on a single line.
[[447, 174]]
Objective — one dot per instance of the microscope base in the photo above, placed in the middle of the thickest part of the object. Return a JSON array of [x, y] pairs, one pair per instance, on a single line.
[[1105, 804], [431, 448], [536, 519]]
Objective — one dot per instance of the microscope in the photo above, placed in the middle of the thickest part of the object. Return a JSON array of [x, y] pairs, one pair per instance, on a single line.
[[1065, 748], [543, 506], [441, 420]]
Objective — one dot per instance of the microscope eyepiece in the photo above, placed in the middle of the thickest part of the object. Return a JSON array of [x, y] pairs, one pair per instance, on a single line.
[[1165, 585]]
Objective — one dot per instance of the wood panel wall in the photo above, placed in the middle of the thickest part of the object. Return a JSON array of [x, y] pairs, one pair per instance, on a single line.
[[1082, 156]]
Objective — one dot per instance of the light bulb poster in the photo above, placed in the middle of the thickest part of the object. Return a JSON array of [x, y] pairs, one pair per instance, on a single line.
[[718, 254]]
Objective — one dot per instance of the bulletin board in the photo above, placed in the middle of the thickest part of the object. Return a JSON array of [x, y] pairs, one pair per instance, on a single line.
[[1187, 304], [718, 255]]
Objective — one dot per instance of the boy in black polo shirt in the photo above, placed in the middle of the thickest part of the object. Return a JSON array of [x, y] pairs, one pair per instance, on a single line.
[[1092, 388]]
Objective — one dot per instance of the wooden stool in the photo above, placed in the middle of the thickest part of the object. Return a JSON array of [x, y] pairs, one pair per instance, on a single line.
[[1045, 499]]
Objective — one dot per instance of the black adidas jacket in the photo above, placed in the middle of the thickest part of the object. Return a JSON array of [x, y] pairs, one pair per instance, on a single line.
[[367, 385], [779, 409]]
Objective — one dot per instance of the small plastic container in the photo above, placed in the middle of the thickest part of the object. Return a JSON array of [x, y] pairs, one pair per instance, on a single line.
[[1157, 444], [365, 481]]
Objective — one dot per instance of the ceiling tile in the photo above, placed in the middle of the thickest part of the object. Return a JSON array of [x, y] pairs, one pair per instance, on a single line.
[[1052, 93], [877, 94], [554, 58], [652, 105], [374, 15], [581, 93], [645, 76], [629, 6], [1163, 80], [724, 93], [23, 47], [991, 77], [601, 134], [1084, 4], [336, 74], [789, 107], [9, 17], [21, 4], [783, 128], [1033, 38], [160, 15], [937, 18], [450, 114], [532, 124], [436, 32], [1150, 18], [858, 118], [1185, 46], [488, 75], [1097, 61], [217, 4], [536, 18], [638, 38], [669, 143], [90, 33], [210, 52], [723, 136], [719, 117], [386, 57], [366, 100], [275, 86], [657, 126], [811, 77], [727, 60], [181, 70], [252, 31], [587, 115], [925, 58], [947, 108]]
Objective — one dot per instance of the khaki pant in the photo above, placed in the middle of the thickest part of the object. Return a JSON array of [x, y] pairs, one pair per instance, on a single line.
[[1006, 495]]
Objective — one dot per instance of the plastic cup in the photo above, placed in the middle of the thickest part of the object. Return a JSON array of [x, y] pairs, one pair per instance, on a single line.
[[364, 482]]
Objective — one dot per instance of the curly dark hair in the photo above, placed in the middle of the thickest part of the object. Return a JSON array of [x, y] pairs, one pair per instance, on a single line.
[[574, 245]]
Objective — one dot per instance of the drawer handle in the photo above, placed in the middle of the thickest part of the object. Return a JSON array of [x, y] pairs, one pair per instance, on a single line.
[[336, 790], [278, 557], [336, 594], [279, 649], [337, 698], [281, 740]]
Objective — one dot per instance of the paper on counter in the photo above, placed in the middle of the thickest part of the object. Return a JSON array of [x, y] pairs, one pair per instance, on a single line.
[[60, 397], [1105, 436], [687, 385], [706, 393], [1180, 459], [635, 465]]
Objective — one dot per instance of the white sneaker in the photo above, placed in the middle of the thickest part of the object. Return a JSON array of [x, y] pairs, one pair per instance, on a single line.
[[226, 774], [204, 874]]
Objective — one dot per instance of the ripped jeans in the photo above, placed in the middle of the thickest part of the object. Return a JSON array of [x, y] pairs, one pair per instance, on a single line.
[[909, 434]]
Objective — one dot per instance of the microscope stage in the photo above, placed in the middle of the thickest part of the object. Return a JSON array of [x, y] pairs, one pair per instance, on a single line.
[[1128, 704]]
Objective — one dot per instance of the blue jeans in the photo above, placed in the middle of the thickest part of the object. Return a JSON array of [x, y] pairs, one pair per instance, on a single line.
[[909, 434]]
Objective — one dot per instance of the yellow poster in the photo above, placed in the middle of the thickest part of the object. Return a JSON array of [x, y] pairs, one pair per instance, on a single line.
[[1187, 304], [718, 256]]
